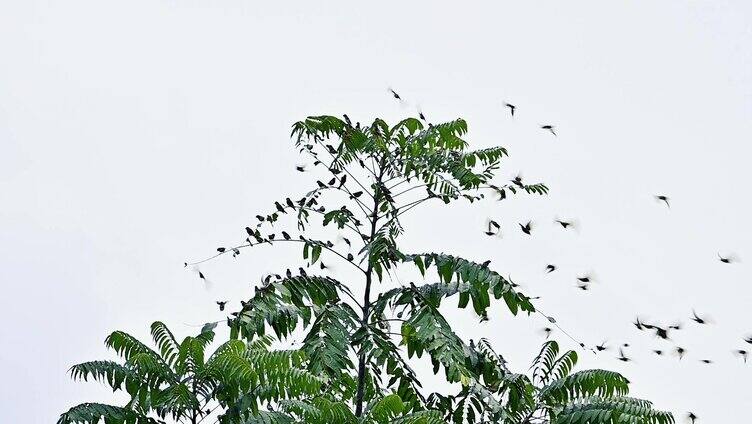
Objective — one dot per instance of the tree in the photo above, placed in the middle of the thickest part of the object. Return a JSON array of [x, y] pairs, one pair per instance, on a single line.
[[358, 344], [177, 381], [553, 394], [378, 173]]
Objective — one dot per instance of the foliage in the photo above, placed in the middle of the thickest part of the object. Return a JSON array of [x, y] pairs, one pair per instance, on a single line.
[[353, 363]]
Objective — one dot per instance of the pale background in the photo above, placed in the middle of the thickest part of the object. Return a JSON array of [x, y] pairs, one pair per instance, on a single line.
[[135, 135]]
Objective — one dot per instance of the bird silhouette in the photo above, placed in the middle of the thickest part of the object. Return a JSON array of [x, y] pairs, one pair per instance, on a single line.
[[743, 353], [623, 357], [221, 249], [550, 268], [585, 279], [706, 361], [547, 331], [300, 168], [662, 198], [394, 93], [696, 318], [601, 347], [549, 128], [727, 259], [658, 352], [493, 228], [748, 339], [680, 351], [527, 227], [221, 304], [691, 417], [564, 224], [511, 108], [583, 286]]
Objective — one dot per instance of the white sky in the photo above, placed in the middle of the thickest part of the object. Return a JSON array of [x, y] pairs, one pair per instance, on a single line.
[[135, 135]]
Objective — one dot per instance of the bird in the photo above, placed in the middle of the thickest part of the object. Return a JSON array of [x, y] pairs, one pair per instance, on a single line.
[[221, 249], [285, 235], [527, 227], [658, 352], [511, 108], [583, 286], [201, 275], [564, 224], [584, 278], [748, 339], [639, 324], [421, 116], [706, 361], [517, 180], [601, 347], [691, 417], [550, 268], [680, 351], [221, 304], [662, 198], [698, 319], [547, 331], [300, 168], [622, 357], [549, 128], [743, 353], [279, 207], [493, 228], [727, 259], [394, 93]]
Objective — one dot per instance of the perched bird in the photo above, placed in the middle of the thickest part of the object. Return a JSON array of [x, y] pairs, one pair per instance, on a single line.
[[550, 268], [221, 304], [302, 272], [517, 180], [285, 235], [279, 207], [511, 108], [662, 198], [549, 128], [527, 227], [221, 249]]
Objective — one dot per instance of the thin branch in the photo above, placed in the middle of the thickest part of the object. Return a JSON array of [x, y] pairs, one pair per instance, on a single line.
[[243, 246]]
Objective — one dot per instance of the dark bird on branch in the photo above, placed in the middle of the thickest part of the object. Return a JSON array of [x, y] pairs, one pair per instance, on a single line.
[[279, 207], [221, 249]]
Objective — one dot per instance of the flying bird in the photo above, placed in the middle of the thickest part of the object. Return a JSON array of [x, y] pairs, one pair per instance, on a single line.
[[623, 357], [394, 93], [547, 331], [662, 198], [727, 259], [511, 108], [748, 339], [601, 347], [680, 351], [583, 286], [493, 228], [691, 417], [658, 352], [743, 353], [527, 227], [706, 361], [221, 304], [564, 224], [300, 168], [696, 318], [549, 128], [550, 268]]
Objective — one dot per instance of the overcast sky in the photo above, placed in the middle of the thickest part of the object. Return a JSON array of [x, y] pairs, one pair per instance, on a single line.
[[136, 135]]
